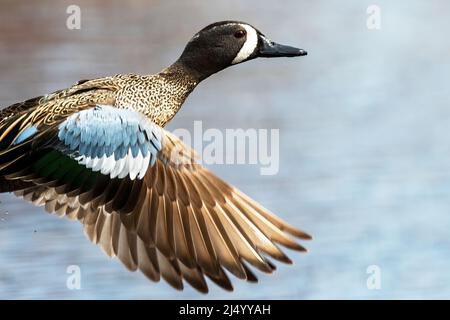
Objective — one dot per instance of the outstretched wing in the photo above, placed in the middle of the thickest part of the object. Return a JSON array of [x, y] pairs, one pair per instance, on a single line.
[[20, 120], [142, 196]]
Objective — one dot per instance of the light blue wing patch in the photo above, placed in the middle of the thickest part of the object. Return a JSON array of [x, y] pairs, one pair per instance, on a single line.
[[26, 134], [117, 142]]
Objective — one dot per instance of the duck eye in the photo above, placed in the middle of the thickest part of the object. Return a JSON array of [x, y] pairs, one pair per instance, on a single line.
[[239, 34]]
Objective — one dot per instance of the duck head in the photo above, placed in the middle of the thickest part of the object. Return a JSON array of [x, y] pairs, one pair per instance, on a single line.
[[226, 43]]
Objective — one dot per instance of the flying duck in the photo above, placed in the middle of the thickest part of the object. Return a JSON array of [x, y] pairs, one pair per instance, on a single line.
[[97, 152]]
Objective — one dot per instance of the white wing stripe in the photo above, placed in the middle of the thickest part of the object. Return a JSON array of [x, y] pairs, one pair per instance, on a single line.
[[135, 167]]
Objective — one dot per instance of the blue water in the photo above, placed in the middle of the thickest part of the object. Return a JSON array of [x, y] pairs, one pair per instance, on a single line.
[[363, 125]]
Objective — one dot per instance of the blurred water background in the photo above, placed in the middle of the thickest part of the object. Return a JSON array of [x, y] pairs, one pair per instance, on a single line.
[[364, 128]]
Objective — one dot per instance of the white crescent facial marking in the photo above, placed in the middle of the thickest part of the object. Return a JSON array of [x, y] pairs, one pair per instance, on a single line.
[[249, 46]]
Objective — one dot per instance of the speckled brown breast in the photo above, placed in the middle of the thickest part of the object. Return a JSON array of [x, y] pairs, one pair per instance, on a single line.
[[158, 96]]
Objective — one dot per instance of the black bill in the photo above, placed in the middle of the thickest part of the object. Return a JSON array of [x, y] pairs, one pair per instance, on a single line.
[[270, 49]]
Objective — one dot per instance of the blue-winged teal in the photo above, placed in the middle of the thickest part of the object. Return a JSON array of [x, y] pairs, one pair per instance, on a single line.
[[97, 152]]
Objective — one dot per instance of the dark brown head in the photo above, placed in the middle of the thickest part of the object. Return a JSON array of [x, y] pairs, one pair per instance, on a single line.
[[226, 43]]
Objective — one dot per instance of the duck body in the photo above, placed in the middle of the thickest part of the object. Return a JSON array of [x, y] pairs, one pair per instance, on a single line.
[[158, 97], [97, 152]]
